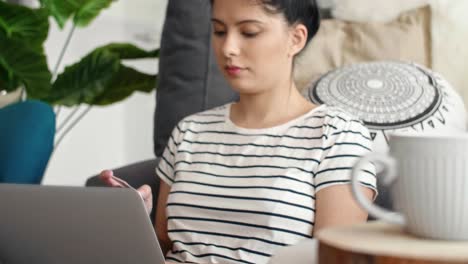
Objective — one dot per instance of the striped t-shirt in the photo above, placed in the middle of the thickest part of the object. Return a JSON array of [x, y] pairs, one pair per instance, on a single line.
[[239, 194]]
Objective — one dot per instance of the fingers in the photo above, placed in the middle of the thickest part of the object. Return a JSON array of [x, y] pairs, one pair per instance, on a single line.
[[147, 195], [106, 177], [106, 174], [145, 191]]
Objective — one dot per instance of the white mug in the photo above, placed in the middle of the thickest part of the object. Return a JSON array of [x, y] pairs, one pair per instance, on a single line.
[[429, 176]]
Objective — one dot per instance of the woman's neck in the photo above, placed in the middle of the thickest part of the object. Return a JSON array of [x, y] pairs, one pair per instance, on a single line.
[[269, 109]]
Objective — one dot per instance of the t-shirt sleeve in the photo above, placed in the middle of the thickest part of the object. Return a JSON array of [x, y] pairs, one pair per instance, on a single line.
[[165, 168], [346, 141]]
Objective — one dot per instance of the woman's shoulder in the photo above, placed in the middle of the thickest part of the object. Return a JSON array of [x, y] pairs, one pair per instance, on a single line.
[[336, 117], [336, 114], [211, 116]]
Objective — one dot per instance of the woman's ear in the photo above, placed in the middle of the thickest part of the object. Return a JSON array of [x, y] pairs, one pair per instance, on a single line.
[[299, 38]]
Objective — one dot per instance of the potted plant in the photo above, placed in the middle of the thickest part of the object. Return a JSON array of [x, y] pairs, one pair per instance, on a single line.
[[99, 78]]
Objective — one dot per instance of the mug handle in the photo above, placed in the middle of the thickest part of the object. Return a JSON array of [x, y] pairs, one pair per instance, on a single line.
[[388, 175]]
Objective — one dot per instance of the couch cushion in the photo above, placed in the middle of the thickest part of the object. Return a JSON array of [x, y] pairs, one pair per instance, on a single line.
[[189, 79], [340, 43], [373, 10]]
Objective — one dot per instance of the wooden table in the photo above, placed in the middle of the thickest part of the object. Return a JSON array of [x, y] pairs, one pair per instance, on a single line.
[[381, 243]]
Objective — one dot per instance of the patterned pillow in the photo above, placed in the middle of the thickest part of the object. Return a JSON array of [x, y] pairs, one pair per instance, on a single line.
[[392, 96]]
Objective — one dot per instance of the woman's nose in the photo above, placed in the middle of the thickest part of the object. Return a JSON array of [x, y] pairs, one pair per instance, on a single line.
[[230, 46]]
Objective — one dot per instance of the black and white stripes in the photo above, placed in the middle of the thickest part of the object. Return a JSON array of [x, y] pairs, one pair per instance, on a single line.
[[238, 194]]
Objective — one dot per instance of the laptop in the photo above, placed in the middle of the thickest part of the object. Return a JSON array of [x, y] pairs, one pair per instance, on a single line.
[[92, 225]]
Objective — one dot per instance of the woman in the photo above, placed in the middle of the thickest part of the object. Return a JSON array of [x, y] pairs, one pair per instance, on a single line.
[[241, 180]]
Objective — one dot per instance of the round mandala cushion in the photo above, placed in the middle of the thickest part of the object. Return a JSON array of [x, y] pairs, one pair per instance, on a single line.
[[392, 96]]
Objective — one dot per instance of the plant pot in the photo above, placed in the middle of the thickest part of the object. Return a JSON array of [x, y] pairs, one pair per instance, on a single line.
[[7, 98]]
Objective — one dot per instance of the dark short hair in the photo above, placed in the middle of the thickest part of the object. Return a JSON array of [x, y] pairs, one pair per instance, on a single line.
[[305, 12]]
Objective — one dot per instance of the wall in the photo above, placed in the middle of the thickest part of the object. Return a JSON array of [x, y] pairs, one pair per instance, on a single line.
[[119, 134]]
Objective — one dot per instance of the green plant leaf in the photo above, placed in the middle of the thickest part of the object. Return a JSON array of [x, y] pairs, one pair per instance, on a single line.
[[3, 85], [22, 65], [125, 82], [84, 81], [7, 81], [129, 51], [100, 78], [83, 12], [26, 24], [89, 10], [60, 13]]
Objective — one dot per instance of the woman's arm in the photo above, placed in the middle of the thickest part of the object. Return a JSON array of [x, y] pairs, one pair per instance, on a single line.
[[161, 218], [336, 206]]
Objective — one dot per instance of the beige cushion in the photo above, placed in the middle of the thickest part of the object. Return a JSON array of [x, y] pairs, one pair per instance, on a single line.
[[340, 43], [373, 10]]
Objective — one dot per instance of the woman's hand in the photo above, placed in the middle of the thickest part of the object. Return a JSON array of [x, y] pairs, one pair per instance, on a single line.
[[107, 176]]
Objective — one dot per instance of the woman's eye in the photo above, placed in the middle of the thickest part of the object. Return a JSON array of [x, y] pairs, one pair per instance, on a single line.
[[250, 34], [219, 33]]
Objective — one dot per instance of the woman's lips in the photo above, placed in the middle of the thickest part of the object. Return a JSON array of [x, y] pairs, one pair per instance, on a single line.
[[233, 70]]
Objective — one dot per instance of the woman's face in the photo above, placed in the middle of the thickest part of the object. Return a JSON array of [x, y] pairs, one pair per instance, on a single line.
[[252, 46]]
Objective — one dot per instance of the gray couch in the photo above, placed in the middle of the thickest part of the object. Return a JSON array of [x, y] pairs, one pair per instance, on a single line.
[[189, 82]]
